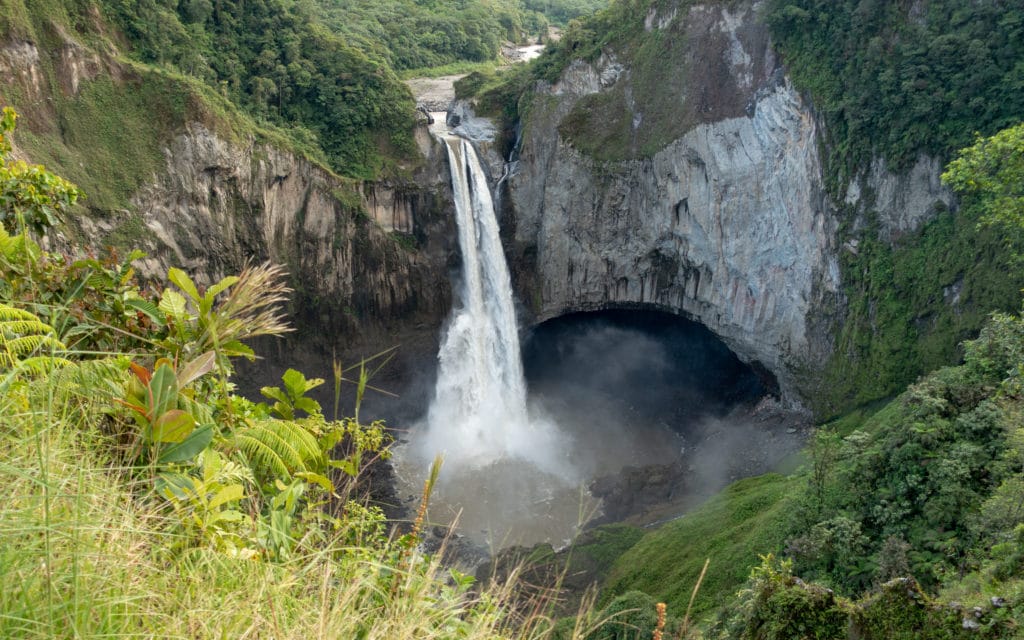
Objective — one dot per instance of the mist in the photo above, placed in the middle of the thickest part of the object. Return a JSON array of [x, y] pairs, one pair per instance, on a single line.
[[639, 416]]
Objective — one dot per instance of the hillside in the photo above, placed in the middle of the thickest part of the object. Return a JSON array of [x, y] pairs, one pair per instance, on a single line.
[[832, 188], [916, 275]]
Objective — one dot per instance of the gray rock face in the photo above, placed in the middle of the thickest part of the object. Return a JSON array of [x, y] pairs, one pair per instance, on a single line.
[[729, 224], [903, 201], [221, 203]]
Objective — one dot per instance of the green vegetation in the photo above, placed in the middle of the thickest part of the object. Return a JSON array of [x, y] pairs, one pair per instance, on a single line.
[[927, 487], [561, 12], [748, 518], [146, 499], [906, 520], [888, 80], [30, 196], [426, 34], [277, 61], [910, 304], [899, 80], [409, 34], [989, 175]]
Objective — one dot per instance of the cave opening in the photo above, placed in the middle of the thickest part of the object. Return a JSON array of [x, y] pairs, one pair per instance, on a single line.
[[653, 413], [639, 366]]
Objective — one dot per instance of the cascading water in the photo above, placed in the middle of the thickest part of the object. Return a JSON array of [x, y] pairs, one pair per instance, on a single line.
[[510, 475], [480, 401], [509, 461]]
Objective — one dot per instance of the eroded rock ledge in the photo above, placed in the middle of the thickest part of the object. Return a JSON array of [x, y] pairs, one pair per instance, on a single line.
[[729, 224]]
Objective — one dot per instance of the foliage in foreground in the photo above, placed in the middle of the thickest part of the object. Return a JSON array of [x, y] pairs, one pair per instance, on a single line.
[[145, 499], [907, 523]]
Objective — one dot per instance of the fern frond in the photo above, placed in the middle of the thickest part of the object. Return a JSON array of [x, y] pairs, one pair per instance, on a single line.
[[23, 334], [10, 314], [24, 345], [101, 379], [279, 448], [43, 365], [12, 328]]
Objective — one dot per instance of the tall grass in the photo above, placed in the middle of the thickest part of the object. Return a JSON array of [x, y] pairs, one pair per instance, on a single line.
[[85, 552]]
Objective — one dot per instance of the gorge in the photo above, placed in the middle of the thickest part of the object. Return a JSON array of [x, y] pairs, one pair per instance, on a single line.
[[698, 282]]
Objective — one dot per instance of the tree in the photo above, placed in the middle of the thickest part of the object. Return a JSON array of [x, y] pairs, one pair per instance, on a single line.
[[30, 196], [990, 176]]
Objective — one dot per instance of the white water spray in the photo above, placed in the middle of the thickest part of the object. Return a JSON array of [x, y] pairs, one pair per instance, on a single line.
[[479, 414]]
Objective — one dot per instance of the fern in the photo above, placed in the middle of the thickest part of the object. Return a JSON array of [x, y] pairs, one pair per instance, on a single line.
[[278, 448], [23, 334]]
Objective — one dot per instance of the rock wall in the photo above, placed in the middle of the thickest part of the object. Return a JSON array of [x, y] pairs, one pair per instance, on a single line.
[[360, 260], [366, 259], [729, 224]]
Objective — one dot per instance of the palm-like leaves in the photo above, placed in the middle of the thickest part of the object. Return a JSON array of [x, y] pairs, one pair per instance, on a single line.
[[23, 334], [248, 307], [276, 448]]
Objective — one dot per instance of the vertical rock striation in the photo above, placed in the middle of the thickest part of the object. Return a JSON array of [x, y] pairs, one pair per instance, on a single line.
[[351, 252], [729, 223]]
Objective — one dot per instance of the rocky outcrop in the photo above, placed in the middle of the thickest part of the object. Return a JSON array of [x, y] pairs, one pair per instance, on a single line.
[[358, 254], [902, 201], [367, 259], [729, 224]]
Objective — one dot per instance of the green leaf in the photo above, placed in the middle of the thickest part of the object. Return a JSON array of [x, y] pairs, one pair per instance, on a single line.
[[180, 278], [173, 304], [226, 516], [133, 255], [146, 307], [173, 426], [309, 405], [212, 292], [236, 348], [189, 447], [163, 391], [347, 466], [295, 383], [198, 367], [316, 478], [230, 493], [174, 485], [274, 393]]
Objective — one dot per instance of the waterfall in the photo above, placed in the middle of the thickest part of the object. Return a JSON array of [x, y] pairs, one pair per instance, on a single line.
[[479, 417], [479, 411], [507, 475]]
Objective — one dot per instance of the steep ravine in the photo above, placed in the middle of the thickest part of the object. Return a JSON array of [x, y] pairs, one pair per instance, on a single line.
[[729, 224], [195, 185]]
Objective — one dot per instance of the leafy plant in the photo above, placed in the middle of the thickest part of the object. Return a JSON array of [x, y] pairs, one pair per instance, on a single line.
[[30, 196], [293, 396], [279, 448], [200, 322], [169, 431], [22, 334], [207, 504]]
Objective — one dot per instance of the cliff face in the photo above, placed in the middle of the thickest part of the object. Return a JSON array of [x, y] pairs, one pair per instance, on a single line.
[[354, 262], [201, 192], [728, 223]]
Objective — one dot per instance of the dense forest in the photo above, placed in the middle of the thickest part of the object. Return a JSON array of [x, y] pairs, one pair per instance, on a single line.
[[147, 498], [892, 83], [326, 71], [914, 486]]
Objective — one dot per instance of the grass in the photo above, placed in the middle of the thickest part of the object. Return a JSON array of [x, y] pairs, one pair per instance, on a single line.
[[451, 69], [85, 553], [747, 519]]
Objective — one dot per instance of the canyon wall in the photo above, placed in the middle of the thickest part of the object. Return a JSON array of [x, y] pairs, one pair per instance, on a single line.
[[368, 260], [357, 259], [729, 223]]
